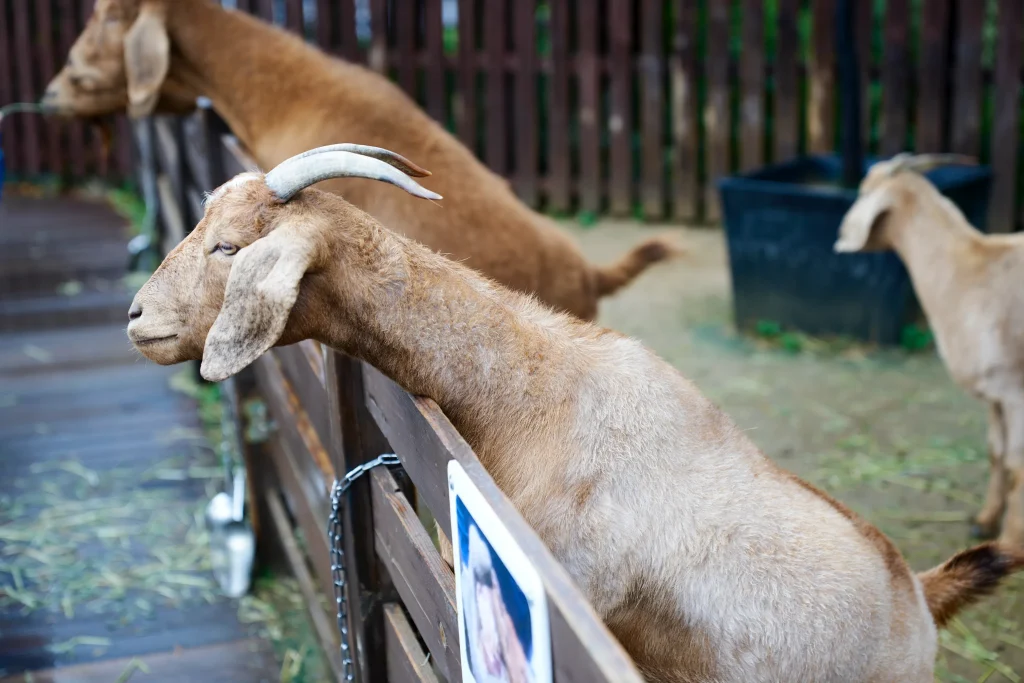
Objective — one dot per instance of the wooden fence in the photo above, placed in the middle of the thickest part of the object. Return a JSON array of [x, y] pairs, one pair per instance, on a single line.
[[627, 106], [332, 413]]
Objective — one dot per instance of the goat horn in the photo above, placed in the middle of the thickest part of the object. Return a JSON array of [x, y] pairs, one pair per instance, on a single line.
[[925, 162], [387, 156], [303, 170]]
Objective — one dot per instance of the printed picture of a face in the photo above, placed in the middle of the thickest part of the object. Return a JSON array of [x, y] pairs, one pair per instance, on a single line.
[[496, 653]]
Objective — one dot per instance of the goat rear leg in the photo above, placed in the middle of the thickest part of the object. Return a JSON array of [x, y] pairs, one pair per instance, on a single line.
[[1013, 523], [988, 520]]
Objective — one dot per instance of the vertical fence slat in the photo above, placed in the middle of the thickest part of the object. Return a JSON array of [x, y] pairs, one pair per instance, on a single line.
[[821, 89], [378, 57], [467, 110], [620, 119], [293, 18], [497, 131], [6, 71], [933, 75], [895, 72], [325, 27], [434, 41], [786, 101], [244, 5], [76, 134], [752, 86], [345, 16], [966, 126], [589, 111], [652, 108], [405, 44], [1006, 117], [863, 30], [28, 125], [683, 89], [44, 31], [717, 117], [559, 161], [526, 115], [265, 10]]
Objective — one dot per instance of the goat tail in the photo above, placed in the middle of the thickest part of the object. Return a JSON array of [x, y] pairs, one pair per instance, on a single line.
[[611, 278], [967, 577]]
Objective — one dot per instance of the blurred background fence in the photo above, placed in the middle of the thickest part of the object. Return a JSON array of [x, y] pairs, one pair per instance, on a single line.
[[630, 107]]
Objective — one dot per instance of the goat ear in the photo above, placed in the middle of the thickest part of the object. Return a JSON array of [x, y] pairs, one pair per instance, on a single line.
[[858, 223], [262, 288], [147, 57]]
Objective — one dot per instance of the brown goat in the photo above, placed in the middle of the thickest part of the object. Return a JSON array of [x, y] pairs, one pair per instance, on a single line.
[[970, 286], [282, 96], [704, 558]]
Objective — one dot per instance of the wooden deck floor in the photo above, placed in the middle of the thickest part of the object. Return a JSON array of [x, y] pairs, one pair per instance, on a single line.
[[103, 475]]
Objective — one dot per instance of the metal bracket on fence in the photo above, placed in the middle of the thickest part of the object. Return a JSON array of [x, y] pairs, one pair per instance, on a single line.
[[335, 533]]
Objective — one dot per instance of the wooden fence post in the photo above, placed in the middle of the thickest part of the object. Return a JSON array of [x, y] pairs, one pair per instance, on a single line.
[[355, 439], [1006, 118]]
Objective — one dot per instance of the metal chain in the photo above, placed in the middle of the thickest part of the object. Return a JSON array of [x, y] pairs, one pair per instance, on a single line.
[[335, 531]]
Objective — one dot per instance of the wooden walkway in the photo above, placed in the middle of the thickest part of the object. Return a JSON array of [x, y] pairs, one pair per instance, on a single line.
[[103, 476]]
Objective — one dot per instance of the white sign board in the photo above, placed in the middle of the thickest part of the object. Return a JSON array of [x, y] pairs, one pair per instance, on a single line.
[[503, 612]]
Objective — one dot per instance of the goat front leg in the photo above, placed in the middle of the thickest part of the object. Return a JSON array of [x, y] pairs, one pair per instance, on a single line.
[[987, 521], [1013, 523]]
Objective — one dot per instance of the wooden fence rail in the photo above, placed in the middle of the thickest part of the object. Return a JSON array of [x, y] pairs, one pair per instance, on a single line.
[[632, 107], [332, 413]]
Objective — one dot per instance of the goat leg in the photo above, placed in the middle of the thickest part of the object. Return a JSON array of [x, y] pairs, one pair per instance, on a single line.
[[1013, 523], [987, 521]]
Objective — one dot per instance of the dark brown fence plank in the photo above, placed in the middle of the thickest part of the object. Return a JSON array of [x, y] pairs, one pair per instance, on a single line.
[[495, 120], [44, 30], [265, 10], [7, 75], [933, 74], [26, 128], [76, 133], [895, 76], [244, 5], [467, 109], [863, 30], [683, 75], [434, 42], [821, 89], [589, 111], [965, 129], [405, 44], [652, 64], [377, 59], [526, 115], [620, 113], [407, 663], [306, 387], [752, 86], [717, 117], [424, 582], [559, 159], [1006, 118], [293, 18], [786, 102]]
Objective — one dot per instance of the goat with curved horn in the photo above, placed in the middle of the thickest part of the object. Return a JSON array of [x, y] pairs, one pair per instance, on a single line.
[[345, 161]]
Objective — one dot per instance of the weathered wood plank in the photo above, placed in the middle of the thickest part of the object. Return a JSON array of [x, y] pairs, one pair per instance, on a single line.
[[527, 119], [467, 109], [26, 134], [933, 74], [752, 77], [407, 663], [495, 26], [821, 72], [44, 30], [967, 78], [559, 149], [293, 17], [405, 45], [786, 104], [717, 114], [1006, 118], [652, 107], [895, 76], [620, 103], [683, 72], [425, 583], [436, 101], [587, 62]]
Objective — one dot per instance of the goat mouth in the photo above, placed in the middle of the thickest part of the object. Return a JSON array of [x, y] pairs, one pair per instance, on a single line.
[[152, 340]]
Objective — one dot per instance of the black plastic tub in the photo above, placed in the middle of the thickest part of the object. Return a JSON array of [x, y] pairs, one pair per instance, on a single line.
[[781, 222]]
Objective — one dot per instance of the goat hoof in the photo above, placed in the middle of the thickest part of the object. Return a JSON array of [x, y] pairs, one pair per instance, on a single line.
[[984, 532]]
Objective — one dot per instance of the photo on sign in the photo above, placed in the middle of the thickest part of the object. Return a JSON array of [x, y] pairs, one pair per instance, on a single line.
[[503, 617]]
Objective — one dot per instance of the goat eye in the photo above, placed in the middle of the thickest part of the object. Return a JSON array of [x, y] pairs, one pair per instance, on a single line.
[[226, 248]]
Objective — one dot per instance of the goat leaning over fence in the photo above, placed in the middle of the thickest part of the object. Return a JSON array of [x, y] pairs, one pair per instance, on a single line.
[[971, 287], [281, 96], [705, 559]]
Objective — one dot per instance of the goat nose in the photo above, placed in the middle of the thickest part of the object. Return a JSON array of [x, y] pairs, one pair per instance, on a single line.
[[135, 311]]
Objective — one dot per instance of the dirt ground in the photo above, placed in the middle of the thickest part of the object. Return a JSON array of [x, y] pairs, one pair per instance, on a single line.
[[885, 432]]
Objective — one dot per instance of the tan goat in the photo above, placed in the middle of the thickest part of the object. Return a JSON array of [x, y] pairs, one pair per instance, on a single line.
[[971, 287], [282, 96], [705, 559]]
